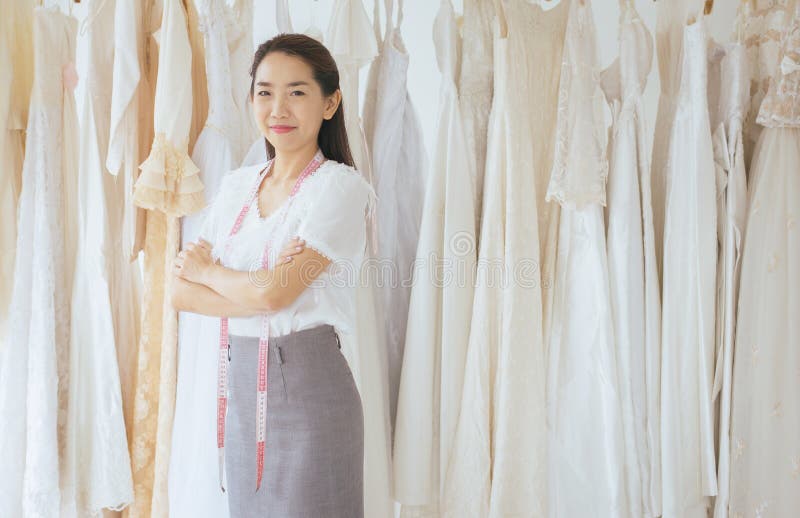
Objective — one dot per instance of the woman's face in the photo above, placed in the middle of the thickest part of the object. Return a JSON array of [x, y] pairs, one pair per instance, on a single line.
[[288, 103]]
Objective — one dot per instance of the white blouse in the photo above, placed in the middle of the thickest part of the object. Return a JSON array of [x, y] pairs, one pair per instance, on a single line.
[[329, 212]]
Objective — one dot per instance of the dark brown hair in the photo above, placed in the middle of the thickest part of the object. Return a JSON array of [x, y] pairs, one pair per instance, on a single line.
[[332, 138]]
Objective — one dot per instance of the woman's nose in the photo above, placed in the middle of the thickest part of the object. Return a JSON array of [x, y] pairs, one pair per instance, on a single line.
[[279, 106]]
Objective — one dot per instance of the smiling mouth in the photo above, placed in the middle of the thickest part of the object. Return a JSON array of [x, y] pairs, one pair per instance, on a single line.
[[282, 129]]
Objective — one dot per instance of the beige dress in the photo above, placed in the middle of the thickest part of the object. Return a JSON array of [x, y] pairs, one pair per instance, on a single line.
[[16, 54], [169, 187]]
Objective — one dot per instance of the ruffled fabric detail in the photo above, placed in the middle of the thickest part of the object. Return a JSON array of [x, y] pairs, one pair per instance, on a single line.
[[169, 181]]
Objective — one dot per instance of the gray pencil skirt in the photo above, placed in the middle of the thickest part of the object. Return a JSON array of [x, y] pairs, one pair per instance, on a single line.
[[314, 452]]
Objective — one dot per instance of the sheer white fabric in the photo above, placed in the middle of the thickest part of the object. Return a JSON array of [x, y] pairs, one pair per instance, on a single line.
[[96, 444], [34, 371], [439, 312], [399, 166], [728, 100], [498, 464], [765, 423], [633, 274], [688, 301], [585, 433]]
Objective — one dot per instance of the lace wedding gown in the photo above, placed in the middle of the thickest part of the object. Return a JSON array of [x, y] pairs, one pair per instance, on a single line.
[[585, 432], [632, 270], [498, 464], [34, 369], [765, 425]]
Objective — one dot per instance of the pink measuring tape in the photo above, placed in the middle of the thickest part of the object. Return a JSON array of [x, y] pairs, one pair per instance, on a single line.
[[263, 342]]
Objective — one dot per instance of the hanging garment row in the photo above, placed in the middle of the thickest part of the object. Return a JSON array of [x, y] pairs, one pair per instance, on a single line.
[[617, 339]]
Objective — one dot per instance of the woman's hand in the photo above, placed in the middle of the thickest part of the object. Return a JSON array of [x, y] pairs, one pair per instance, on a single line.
[[194, 262], [293, 247]]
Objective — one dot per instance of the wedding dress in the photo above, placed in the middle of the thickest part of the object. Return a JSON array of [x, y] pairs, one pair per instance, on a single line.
[[632, 270], [475, 88], [765, 423], [34, 369], [399, 166], [96, 448], [689, 293], [441, 301], [498, 464], [728, 101], [584, 416]]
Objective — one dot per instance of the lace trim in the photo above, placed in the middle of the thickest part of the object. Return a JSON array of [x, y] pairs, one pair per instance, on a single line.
[[169, 181], [580, 167], [781, 106]]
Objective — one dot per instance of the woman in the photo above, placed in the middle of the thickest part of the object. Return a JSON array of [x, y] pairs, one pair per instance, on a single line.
[[292, 440]]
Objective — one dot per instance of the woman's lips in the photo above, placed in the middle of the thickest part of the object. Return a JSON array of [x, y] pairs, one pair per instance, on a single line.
[[281, 129]]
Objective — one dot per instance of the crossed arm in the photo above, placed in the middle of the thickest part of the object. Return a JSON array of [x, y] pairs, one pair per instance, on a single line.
[[203, 286]]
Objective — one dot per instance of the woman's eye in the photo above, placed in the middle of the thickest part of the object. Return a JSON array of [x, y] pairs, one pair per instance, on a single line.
[[298, 92], [263, 93]]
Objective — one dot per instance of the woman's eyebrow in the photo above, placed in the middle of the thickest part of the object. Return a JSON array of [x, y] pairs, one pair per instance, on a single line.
[[293, 83]]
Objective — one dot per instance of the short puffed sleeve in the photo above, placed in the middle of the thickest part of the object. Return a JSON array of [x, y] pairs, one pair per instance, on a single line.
[[335, 224]]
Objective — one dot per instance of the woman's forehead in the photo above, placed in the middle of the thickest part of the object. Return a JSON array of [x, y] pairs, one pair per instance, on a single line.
[[280, 69]]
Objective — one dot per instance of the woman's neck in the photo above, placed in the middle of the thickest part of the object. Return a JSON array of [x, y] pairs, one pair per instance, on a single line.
[[288, 165]]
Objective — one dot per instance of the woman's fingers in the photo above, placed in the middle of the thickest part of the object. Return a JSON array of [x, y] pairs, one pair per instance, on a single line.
[[293, 247], [202, 243]]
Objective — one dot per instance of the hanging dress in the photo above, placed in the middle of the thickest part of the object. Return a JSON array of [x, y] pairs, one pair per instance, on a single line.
[[131, 102], [439, 312], [96, 443], [16, 71], [728, 101], [351, 41], [632, 271], [168, 187], [475, 87], [670, 21], [34, 368], [585, 433], [193, 481], [689, 294], [498, 464], [765, 422], [399, 166]]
